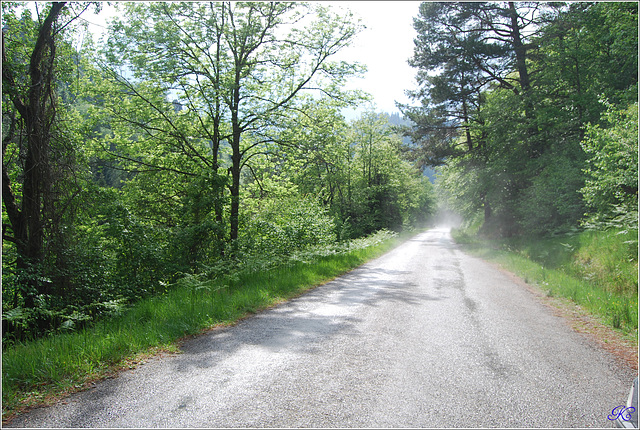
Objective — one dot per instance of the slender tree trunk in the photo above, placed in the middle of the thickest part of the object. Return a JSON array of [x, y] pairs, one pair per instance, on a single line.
[[487, 212], [217, 205], [467, 129], [236, 157], [235, 191], [519, 48]]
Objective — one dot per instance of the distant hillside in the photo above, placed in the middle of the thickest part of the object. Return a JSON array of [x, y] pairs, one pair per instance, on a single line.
[[396, 119]]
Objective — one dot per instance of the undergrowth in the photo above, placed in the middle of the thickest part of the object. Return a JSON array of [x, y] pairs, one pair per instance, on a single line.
[[66, 362]]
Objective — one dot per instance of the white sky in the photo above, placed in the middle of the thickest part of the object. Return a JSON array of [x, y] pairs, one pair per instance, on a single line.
[[384, 47]]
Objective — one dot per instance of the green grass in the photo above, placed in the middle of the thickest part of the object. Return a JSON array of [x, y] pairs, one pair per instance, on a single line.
[[597, 270], [49, 367]]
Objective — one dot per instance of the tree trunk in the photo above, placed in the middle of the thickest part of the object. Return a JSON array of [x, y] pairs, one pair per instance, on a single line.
[[37, 112], [235, 190], [217, 205], [467, 128], [519, 49], [236, 158], [525, 83]]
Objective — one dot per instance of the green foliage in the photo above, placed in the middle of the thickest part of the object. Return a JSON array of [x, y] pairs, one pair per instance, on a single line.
[[280, 226], [611, 189], [387, 192], [43, 171], [551, 203], [460, 189], [232, 74], [355, 169], [174, 130]]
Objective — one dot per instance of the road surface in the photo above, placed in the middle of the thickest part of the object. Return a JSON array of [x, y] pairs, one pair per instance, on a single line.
[[425, 336]]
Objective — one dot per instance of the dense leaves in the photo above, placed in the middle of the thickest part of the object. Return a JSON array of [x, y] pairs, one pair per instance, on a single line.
[[611, 188]]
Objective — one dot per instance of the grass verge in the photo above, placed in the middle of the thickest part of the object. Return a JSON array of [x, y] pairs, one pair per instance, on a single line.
[[597, 270], [42, 371]]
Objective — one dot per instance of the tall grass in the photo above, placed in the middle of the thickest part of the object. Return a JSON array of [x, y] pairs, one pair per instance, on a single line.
[[66, 362], [596, 269]]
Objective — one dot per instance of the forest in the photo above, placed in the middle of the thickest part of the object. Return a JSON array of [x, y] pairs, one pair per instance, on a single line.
[[199, 139], [529, 110]]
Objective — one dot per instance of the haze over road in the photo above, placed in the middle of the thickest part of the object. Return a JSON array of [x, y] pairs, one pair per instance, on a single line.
[[424, 336]]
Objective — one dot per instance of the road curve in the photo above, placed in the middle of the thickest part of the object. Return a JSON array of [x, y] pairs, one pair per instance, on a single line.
[[424, 336]]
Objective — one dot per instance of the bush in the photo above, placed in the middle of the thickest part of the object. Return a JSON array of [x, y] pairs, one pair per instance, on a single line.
[[611, 190], [278, 227]]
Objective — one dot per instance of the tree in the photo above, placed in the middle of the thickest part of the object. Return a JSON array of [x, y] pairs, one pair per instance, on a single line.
[[35, 108], [315, 155], [38, 159], [42, 170], [532, 74], [587, 51], [354, 169], [461, 49], [236, 67]]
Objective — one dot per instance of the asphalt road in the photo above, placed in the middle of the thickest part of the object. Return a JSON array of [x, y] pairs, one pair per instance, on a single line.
[[424, 336]]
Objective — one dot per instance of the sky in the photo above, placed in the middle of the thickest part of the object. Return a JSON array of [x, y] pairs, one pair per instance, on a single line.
[[384, 47]]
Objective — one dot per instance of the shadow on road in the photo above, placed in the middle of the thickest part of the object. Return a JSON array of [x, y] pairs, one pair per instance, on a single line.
[[294, 327]]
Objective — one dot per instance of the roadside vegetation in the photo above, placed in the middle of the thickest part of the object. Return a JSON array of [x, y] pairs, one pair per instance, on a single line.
[[196, 141], [45, 369], [191, 168]]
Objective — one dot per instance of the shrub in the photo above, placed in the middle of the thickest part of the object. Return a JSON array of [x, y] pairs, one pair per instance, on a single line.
[[278, 227], [611, 189]]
